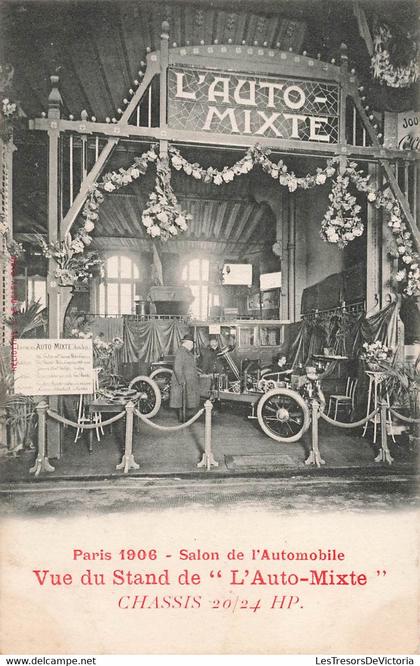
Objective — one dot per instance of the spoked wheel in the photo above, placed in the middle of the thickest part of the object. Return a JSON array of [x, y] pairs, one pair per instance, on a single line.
[[163, 378], [283, 415], [150, 399]]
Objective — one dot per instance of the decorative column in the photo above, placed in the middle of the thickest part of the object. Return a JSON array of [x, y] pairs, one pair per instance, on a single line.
[[54, 315], [291, 259], [284, 303], [373, 249], [163, 101]]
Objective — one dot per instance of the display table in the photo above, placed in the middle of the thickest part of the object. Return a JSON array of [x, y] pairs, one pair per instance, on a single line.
[[375, 393], [106, 406]]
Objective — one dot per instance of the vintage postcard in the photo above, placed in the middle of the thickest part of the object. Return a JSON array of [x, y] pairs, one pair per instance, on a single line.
[[209, 412]]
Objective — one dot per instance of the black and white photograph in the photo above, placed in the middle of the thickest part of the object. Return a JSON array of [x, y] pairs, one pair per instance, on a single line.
[[210, 277]]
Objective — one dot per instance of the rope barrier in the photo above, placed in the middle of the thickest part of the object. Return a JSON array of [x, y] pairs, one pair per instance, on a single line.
[[407, 419], [83, 426], [169, 428], [355, 424]]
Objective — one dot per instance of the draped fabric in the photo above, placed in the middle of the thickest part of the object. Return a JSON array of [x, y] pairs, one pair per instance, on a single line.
[[149, 340], [111, 327], [342, 332]]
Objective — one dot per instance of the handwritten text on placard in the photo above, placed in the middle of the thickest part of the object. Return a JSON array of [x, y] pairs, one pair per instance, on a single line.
[[53, 367]]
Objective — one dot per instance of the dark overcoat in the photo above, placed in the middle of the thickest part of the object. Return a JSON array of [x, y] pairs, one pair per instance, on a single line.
[[184, 372]]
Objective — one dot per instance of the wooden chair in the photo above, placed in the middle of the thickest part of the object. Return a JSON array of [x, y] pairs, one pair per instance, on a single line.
[[96, 416], [338, 401]]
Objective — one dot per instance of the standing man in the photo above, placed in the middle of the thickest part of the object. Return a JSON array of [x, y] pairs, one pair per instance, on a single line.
[[210, 362], [185, 378]]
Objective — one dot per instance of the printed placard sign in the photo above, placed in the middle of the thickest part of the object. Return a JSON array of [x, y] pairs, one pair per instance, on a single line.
[[53, 366], [408, 130], [257, 105]]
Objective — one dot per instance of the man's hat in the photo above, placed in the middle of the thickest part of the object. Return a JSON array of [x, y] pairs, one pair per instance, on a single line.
[[188, 336]]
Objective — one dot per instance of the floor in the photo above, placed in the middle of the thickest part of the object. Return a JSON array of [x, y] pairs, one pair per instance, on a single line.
[[252, 468]]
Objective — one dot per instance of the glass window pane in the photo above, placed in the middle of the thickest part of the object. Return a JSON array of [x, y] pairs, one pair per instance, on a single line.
[[204, 301], [194, 270], [246, 336], [136, 274], [126, 299], [195, 305], [216, 299], [112, 298], [127, 265], [101, 299], [205, 270], [269, 336], [40, 292], [112, 267]]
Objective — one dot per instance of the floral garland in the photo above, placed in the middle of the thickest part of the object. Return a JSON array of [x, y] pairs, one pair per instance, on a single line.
[[72, 265], [341, 224], [163, 216], [399, 76], [9, 115], [253, 156], [408, 275]]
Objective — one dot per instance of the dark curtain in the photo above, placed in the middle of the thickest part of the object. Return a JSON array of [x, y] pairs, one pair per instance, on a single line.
[[149, 340]]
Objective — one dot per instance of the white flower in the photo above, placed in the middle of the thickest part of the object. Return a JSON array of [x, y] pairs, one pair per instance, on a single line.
[[109, 187], [292, 184], [89, 226], [177, 162], [154, 230], [147, 221], [320, 178], [135, 173], [218, 180], [196, 174], [228, 175], [180, 219], [77, 246], [188, 169], [162, 217], [407, 259], [173, 230], [183, 225], [371, 196]]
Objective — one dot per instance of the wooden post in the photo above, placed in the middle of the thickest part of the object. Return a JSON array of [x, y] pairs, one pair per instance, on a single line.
[[314, 457], [373, 250], [284, 311], [54, 112], [163, 98], [208, 459], [128, 461], [291, 259], [54, 319], [344, 62], [384, 454], [41, 462]]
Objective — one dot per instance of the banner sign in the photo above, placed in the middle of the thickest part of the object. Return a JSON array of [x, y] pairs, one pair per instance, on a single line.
[[260, 106], [53, 366], [408, 130]]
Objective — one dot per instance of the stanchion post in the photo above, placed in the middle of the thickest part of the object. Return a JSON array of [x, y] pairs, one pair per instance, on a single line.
[[128, 461], [41, 462], [384, 454], [314, 457], [208, 459]]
